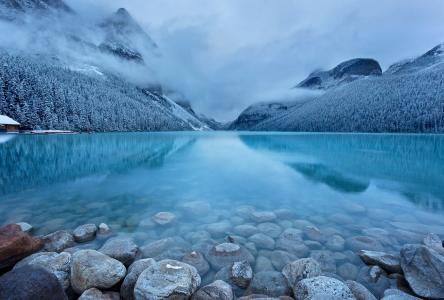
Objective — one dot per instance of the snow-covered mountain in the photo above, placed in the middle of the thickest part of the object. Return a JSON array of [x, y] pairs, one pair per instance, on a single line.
[[84, 76], [125, 38], [259, 112], [210, 122], [409, 97], [429, 59], [345, 72]]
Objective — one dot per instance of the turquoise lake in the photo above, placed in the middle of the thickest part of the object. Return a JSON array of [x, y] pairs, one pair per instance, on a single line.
[[387, 187]]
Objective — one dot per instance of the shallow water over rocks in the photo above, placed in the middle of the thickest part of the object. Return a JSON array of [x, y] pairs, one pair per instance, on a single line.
[[212, 199]]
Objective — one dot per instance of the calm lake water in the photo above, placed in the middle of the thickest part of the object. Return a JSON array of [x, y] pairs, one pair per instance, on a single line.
[[388, 187]]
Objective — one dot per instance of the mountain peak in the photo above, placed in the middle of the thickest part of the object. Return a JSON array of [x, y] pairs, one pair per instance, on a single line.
[[10, 9], [346, 71], [429, 59]]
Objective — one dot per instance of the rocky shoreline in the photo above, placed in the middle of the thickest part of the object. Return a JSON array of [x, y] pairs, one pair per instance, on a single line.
[[258, 259]]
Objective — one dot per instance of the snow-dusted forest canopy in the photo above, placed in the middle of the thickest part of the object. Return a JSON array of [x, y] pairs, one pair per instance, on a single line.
[[412, 102], [52, 97]]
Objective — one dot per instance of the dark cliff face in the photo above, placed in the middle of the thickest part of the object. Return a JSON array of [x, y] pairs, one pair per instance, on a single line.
[[345, 72]]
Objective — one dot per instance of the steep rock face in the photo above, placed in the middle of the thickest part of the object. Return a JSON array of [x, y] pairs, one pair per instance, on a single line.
[[125, 38], [431, 58], [345, 72]]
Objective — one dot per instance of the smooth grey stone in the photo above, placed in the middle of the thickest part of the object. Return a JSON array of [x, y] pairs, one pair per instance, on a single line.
[[358, 243], [96, 294], [312, 233], [241, 274], [85, 233], [197, 260], [227, 253], [395, 294], [167, 279], [424, 270], [386, 261], [122, 249], [103, 229], [58, 241], [263, 264], [270, 229], [245, 230], [58, 264], [301, 269], [359, 291], [90, 268], [219, 229], [335, 243], [326, 259], [263, 216], [322, 287], [30, 282], [269, 283], [164, 218], [134, 271], [158, 247], [348, 271], [280, 258], [219, 290], [262, 241]]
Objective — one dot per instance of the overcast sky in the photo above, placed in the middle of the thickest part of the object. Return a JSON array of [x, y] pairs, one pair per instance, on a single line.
[[224, 55]]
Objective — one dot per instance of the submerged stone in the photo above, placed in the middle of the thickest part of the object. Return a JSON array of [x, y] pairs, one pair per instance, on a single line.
[[85, 233], [58, 241], [270, 283], [227, 253], [301, 269], [217, 290]]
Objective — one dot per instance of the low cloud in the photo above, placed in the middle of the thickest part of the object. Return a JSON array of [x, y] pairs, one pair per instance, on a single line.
[[225, 55]]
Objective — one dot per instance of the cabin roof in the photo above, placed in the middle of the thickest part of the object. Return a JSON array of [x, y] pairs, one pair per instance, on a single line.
[[5, 120]]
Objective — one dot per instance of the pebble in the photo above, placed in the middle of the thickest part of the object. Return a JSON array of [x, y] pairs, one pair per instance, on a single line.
[[164, 218]]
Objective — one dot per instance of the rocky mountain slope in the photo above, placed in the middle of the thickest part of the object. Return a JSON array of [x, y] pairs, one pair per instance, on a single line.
[[408, 97], [343, 73], [84, 77]]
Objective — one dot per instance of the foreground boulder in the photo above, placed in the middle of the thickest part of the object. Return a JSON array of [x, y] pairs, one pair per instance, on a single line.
[[134, 271], [424, 270], [91, 268], [30, 283], [395, 294], [167, 279], [301, 269], [95, 294], [359, 291], [58, 264], [269, 283], [386, 261], [16, 244], [322, 287], [433, 241], [227, 253], [122, 249], [58, 241], [217, 290]]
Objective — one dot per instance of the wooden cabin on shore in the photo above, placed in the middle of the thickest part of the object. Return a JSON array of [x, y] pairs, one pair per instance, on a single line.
[[8, 125]]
